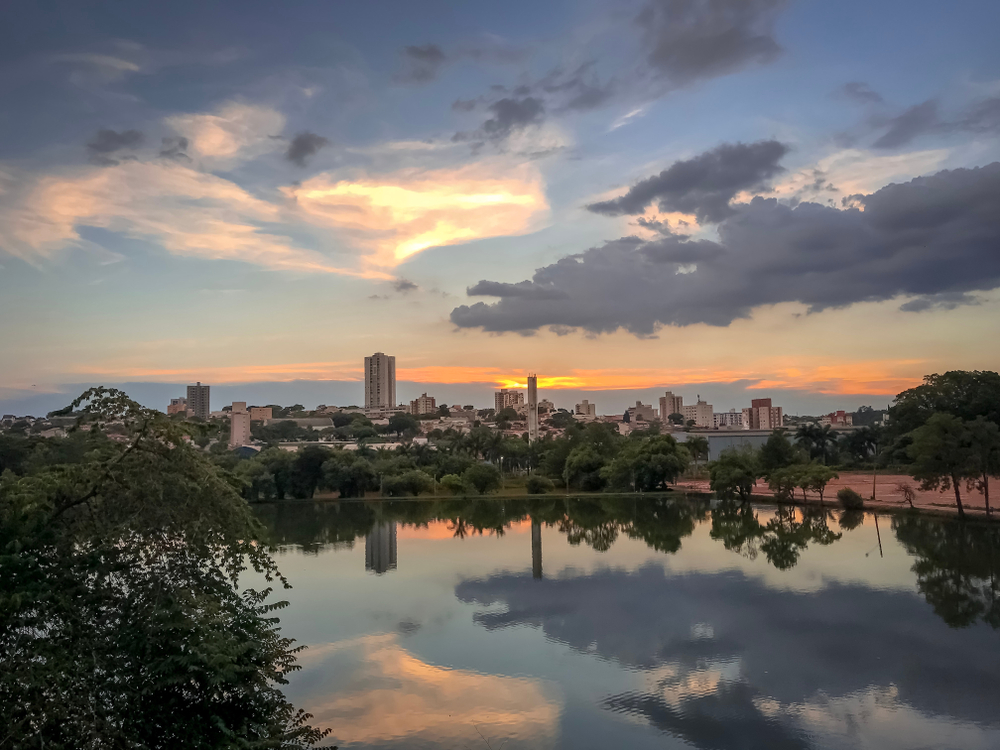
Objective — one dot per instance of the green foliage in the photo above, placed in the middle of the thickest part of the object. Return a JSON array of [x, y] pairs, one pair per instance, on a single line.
[[123, 618], [962, 394], [400, 423], [482, 478], [452, 483], [538, 485], [583, 469], [735, 472], [943, 454], [562, 420], [649, 465], [850, 499], [349, 474], [783, 482], [777, 453], [411, 482]]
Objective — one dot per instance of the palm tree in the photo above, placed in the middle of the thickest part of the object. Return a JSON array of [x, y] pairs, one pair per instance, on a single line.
[[698, 448]]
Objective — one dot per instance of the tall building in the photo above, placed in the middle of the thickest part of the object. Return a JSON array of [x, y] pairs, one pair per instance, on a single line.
[[536, 550], [670, 404], [178, 406], [532, 408], [423, 405], [380, 548], [380, 381], [504, 398], [700, 413], [239, 425], [587, 409], [762, 416], [199, 401]]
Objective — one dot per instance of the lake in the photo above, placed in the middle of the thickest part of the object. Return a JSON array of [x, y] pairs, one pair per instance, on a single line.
[[640, 623]]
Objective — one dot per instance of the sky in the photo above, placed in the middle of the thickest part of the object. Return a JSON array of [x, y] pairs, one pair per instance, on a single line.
[[730, 199]]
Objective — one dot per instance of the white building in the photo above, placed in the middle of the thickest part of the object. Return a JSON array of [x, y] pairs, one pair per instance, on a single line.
[[728, 420], [380, 381], [670, 404], [239, 425], [586, 409], [701, 413]]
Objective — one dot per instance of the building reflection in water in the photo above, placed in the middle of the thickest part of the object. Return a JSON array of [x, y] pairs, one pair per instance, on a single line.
[[536, 549], [380, 548]]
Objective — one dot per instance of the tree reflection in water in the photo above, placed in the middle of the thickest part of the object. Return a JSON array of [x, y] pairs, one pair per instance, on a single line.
[[956, 562]]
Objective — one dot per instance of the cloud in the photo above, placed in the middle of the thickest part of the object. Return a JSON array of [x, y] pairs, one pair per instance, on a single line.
[[303, 146], [916, 121], [687, 41], [184, 211], [108, 142], [421, 63], [404, 285], [981, 117], [861, 92], [175, 148], [704, 185], [233, 133], [509, 116], [394, 216], [934, 237]]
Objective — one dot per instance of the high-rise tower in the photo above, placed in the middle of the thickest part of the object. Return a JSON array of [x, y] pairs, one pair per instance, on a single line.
[[380, 381], [532, 408], [198, 401]]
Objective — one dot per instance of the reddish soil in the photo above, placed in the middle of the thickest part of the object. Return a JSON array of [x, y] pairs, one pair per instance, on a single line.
[[886, 492]]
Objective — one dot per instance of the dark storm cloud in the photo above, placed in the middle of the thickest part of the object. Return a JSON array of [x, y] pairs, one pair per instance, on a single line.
[[704, 185], [303, 146], [686, 41], [175, 148], [791, 647], [861, 93], [108, 142], [934, 238], [521, 290]]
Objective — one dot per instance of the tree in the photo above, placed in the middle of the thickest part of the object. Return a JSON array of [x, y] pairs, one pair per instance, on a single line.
[[777, 453], [400, 423], [985, 438], [676, 418], [735, 472], [412, 482], [482, 478], [943, 455], [452, 483], [583, 468], [815, 477], [783, 481], [561, 420], [697, 446], [349, 474], [960, 393], [125, 622], [538, 485]]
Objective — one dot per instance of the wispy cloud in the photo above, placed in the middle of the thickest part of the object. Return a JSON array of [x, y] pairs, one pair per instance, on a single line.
[[400, 214], [233, 132]]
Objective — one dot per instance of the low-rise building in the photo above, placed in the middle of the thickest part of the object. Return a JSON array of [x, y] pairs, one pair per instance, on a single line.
[[838, 419], [640, 411], [261, 413], [423, 405], [728, 420], [177, 406]]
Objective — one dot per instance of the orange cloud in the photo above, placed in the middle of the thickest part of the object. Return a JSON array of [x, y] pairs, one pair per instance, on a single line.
[[871, 378], [394, 695], [398, 215]]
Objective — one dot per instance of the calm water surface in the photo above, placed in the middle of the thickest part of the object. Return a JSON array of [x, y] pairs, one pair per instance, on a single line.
[[640, 623]]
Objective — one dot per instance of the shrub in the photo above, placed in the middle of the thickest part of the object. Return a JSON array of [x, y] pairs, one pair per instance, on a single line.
[[452, 483], [482, 478], [850, 499], [537, 485]]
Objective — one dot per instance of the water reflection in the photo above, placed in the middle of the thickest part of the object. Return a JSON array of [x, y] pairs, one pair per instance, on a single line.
[[681, 621]]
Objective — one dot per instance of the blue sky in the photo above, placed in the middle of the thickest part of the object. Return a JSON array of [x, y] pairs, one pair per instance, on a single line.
[[253, 193]]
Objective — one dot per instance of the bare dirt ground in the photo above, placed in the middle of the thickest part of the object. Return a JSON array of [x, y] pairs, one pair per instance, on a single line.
[[886, 492]]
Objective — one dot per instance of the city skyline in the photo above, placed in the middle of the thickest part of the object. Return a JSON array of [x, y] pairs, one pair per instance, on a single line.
[[486, 196]]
